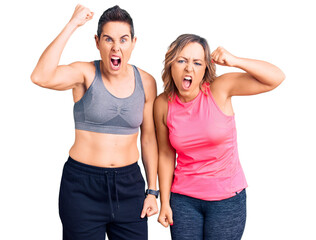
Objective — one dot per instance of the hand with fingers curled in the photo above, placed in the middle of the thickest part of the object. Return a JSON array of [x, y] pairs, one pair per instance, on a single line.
[[224, 58], [81, 15], [150, 206], [165, 216]]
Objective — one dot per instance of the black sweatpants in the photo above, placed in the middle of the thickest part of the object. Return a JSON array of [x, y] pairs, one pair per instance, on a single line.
[[95, 201]]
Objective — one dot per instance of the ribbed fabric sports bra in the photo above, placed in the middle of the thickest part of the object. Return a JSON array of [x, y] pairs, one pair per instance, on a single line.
[[205, 140], [99, 111]]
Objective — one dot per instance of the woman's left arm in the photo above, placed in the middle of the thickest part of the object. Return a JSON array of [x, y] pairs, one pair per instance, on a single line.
[[259, 76], [149, 143]]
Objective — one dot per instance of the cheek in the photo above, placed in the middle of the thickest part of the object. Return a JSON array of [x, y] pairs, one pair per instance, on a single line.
[[127, 49], [175, 74], [176, 69], [104, 48], [200, 73], [173, 71]]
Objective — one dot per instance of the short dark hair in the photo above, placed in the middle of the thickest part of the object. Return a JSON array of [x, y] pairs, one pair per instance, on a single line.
[[115, 14]]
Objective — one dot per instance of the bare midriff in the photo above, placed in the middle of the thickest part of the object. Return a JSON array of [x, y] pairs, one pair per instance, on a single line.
[[104, 150]]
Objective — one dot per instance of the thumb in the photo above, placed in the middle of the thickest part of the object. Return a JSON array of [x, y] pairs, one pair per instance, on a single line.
[[151, 211]]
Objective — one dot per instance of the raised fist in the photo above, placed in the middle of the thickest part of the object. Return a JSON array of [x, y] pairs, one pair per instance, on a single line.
[[81, 15], [222, 57]]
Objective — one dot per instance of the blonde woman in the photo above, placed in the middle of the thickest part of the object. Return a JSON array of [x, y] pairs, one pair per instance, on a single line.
[[204, 196]]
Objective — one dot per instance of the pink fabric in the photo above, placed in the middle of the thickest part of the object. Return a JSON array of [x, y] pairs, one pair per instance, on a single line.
[[205, 140]]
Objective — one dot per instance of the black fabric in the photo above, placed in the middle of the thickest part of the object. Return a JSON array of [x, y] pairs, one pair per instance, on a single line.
[[94, 201]]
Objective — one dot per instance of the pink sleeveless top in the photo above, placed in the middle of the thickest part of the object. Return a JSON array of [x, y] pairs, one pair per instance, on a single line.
[[205, 141]]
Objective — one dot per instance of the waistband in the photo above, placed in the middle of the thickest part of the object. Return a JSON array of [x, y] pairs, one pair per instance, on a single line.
[[89, 169]]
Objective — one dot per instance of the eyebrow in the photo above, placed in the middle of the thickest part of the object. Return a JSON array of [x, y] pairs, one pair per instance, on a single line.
[[105, 35], [197, 59]]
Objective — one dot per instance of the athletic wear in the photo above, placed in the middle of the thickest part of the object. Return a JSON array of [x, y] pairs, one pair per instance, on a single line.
[[99, 111], [94, 201], [205, 140], [196, 219]]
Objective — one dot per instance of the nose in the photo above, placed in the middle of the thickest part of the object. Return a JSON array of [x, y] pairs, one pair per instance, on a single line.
[[115, 47], [189, 67]]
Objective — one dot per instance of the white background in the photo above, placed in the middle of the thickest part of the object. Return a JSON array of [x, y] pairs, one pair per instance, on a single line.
[[276, 130]]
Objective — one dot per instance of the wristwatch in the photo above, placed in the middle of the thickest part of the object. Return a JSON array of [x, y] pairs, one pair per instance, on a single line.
[[152, 192]]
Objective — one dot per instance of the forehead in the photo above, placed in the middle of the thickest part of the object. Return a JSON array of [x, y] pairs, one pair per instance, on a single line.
[[116, 29], [192, 50]]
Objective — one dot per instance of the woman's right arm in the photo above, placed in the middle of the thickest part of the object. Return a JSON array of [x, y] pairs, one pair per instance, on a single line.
[[47, 73], [166, 159]]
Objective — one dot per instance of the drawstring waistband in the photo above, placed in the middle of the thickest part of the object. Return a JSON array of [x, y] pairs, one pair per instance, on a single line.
[[107, 173], [109, 192], [116, 194]]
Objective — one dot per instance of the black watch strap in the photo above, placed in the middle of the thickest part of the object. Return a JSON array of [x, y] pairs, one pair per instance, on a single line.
[[152, 192]]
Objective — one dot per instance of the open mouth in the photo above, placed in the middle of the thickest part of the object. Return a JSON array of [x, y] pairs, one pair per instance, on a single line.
[[187, 81], [115, 62]]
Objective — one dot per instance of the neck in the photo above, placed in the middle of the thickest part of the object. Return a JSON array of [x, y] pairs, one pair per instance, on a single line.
[[187, 97], [116, 76]]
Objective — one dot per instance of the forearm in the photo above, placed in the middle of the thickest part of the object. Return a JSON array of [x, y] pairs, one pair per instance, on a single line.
[[262, 71], [166, 168], [150, 160], [46, 68], [49, 60]]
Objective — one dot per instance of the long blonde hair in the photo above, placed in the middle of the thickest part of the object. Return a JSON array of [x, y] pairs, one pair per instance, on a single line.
[[173, 52]]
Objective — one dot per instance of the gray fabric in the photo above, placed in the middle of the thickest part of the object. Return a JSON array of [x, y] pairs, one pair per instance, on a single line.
[[99, 111]]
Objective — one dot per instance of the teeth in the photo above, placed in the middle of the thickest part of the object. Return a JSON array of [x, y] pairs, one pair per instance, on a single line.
[[187, 78], [115, 58]]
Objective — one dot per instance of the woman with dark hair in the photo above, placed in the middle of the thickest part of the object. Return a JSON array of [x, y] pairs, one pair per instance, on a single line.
[[195, 120], [102, 188]]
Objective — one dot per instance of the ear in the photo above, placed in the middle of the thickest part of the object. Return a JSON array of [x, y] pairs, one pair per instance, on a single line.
[[96, 38], [134, 42]]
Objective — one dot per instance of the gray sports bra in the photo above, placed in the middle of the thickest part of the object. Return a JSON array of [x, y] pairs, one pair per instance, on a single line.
[[99, 111]]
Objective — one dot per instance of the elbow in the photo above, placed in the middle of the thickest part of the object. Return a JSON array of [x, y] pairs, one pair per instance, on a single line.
[[149, 143], [148, 138], [35, 79], [280, 79], [38, 80]]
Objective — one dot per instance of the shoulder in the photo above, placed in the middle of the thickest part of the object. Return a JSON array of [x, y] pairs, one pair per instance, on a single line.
[[161, 103], [149, 83], [162, 98], [146, 77]]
